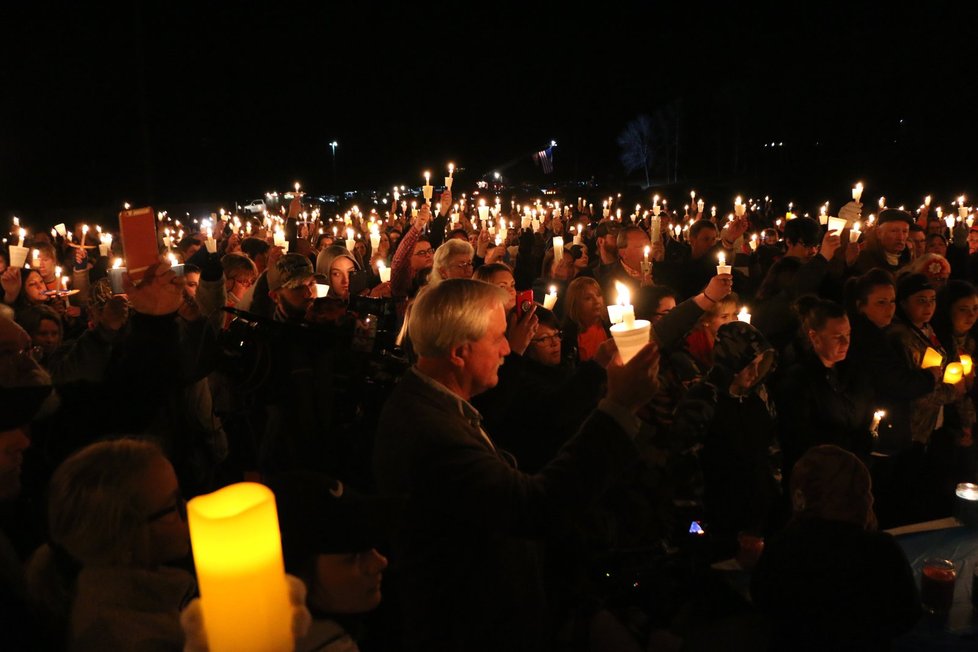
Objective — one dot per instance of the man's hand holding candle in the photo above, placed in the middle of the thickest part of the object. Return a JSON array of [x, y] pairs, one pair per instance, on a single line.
[[159, 293]]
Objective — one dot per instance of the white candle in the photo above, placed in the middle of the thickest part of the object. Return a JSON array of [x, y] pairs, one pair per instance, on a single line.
[[739, 207], [722, 267], [22, 233], [558, 249], [857, 192], [383, 271], [753, 242], [743, 315], [854, 233], [625, 301], [550, 298], [877, 418]]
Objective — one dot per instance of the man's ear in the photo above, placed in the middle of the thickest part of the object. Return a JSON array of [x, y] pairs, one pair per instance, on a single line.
[[459, 355]]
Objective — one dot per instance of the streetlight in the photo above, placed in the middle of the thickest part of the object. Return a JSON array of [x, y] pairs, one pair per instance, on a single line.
[[333, 146]]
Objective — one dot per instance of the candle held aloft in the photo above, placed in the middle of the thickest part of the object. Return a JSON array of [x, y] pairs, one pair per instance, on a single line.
[[238, 556], [558, 249], [743, 315], [857, 192], [722, 267]]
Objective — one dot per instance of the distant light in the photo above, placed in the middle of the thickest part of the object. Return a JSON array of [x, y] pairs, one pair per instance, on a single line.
[[553, 143], [495, 174]]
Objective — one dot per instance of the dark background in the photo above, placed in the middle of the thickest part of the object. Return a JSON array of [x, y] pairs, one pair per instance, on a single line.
[[156, 102]]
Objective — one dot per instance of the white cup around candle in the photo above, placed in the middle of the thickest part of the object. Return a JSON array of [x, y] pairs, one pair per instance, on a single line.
[[103, 250], [723, 269], [211, 245], [740, 210], [428, 191], [558, 248], [18, 256], [321, 290], [385, 274], [448, 183], [483, 213], [854, 236], [836, 225], [963, 211], [61, 229], [374, 241], [631, 338]]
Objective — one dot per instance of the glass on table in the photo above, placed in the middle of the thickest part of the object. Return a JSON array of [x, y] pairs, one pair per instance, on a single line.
[[937, 580]]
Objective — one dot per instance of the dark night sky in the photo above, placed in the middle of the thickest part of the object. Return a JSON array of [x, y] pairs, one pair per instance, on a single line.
[[165, 102]]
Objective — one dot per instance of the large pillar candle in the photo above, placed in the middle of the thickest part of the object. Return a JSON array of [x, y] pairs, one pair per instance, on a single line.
[[238, 555]]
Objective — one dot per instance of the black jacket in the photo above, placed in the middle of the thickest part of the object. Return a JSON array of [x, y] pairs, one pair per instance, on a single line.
[[468, 563]]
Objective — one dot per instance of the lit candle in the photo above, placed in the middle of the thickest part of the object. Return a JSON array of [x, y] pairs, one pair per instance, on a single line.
[[877, 418], [238, 557], [578, 238], [882, 203], [722, 267], [210, 242], [115, 277], [550, 299], [558, 249], [743, 315], [954, 373], [931, 359], [854, 233], [175, 264], [647, 249], [61, 229], [927, 201], [625, 301], [966, 363], [967, 491], [350, 242], [483, 211], [753, 242], [22, 233], [448, 179], [383, 271], [739, 207], [296, 186], [857, 192], [64, 283], [427, 190]]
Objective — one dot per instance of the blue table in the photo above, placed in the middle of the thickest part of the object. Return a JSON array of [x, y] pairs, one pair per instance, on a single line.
[[960, 630]]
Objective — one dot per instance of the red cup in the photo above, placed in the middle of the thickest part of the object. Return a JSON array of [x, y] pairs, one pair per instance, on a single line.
[[937, 586]]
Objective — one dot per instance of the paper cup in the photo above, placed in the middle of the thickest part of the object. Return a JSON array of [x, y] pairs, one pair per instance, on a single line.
[[723, 269], [549, 300], [448, 183], [631, 339], [18, 256], [836, 224], [322, 290], [61, 229], [385, 274], [211, 245], [963, 211], [103, 250]]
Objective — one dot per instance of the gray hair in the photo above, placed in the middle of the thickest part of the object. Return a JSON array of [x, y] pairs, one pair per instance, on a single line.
[[444, 253], [451, 313]]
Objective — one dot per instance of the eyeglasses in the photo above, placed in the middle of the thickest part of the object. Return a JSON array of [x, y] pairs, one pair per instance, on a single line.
[[247, 282], [546, 339], [180, 507], [425, 252]]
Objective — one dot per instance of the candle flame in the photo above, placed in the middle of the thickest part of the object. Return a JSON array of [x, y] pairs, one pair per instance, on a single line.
[[624, 296], [117, 263]]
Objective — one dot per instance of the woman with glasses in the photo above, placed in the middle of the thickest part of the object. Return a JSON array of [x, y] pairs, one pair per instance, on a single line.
[[115, 520], [453, 259], [414, 255], [533, 436]]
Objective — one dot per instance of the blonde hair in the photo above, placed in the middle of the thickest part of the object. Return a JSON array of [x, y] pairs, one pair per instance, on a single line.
[[452, 312], [573, 297], [95, 515]]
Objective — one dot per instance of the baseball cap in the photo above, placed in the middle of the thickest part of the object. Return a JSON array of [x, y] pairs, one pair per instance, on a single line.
[[289, 271], [321, 515]]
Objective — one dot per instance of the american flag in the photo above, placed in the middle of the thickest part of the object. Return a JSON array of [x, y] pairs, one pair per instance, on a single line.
[[545, 160]]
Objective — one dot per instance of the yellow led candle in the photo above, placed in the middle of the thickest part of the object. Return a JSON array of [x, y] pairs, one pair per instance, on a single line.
[[954, 373], [931, 359], [966, 364], [238, 556]]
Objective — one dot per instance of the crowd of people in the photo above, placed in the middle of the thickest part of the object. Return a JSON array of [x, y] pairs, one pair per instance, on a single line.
[[410, 400]]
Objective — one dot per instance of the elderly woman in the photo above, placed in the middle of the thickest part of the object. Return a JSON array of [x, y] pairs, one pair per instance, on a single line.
[[453, 259], [829, 581], [115, 517]]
